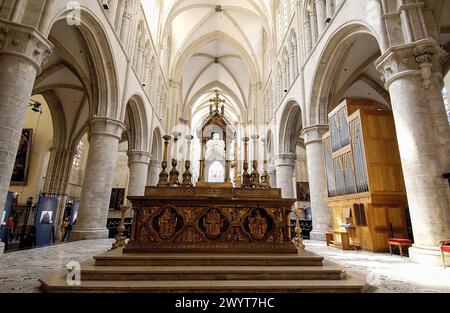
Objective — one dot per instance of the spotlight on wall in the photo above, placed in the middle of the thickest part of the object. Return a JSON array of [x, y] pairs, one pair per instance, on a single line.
[[36, 106]]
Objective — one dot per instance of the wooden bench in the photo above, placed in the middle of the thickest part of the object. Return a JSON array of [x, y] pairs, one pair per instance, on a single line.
[[400, 242]]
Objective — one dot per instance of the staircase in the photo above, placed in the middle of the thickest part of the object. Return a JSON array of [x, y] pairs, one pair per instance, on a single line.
[[203, 273]]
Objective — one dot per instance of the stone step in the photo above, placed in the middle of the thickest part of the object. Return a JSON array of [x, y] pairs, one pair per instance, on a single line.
[[90, 272], [116, 258], [56, 283]]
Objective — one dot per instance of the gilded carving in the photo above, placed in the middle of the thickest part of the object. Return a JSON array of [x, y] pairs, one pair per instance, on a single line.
[[277, 214], [235, 235], [190, 235], [278, 236], [258, 225], [213, 223], [167, 224]]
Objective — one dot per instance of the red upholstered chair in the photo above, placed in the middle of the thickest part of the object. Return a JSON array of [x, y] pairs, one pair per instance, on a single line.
[[445, 247]]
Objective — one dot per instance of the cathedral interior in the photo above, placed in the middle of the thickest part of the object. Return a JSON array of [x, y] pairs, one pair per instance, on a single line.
[[225, 145]]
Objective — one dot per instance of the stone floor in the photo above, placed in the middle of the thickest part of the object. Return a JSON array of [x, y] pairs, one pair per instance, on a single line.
[[387, 273], [19, 271]]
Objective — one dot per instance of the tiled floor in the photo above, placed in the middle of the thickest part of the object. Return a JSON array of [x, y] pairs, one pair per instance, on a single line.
[[19, 271]]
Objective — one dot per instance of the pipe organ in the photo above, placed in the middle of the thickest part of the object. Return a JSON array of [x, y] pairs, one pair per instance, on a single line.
[[364, 175]]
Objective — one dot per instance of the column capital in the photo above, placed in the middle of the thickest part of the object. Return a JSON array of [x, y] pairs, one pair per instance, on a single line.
[[139, 157], [106, 126], [25, 42], [421, 58], [287, 159], [314, 133]]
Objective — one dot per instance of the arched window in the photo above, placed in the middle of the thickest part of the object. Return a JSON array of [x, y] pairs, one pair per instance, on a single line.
[[76, 164]]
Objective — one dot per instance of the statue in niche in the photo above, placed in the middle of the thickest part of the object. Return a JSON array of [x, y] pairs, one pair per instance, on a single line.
[[213, 223], [167, 224], [258, 225]]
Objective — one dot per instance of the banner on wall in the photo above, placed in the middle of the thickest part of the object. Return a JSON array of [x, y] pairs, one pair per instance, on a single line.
[[6, 213], [45, 220], [74, 214]]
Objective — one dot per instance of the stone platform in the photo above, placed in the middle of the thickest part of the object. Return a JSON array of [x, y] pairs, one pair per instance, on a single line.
[[115, 271]]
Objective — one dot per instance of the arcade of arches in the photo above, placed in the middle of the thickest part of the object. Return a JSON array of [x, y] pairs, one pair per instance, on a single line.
[[99, 83]]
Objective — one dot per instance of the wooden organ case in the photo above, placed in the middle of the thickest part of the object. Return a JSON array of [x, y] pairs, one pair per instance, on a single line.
[[364, 175]]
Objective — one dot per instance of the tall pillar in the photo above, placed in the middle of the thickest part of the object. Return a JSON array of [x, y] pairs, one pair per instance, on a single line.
[[138, 162], [22, 51], [153, 172], [284, 164], [273, 176], [413, 77], [104, 134], [320, 211]]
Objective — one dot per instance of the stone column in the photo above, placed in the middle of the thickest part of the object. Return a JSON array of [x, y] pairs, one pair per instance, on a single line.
[[273, 176], [125, 28], [413, 77], [321, 15], [22, 51], [104, 136], [291, 67], [58, 171], [153, 172], [57, 177], [320, 211], [138, 162], [284, 164], [308, 35]]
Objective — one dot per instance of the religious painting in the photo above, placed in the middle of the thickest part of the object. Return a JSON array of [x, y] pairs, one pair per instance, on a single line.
[[303, 192], [45, 220], [46, 217], [20, 170], [117, 198]]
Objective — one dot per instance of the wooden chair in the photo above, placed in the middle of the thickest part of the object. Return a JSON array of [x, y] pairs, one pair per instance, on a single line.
[[444, 247]]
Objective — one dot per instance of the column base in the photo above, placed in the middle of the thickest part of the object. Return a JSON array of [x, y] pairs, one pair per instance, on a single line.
[[88, 233], [427, 255], [2, 247], [317, 235]]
